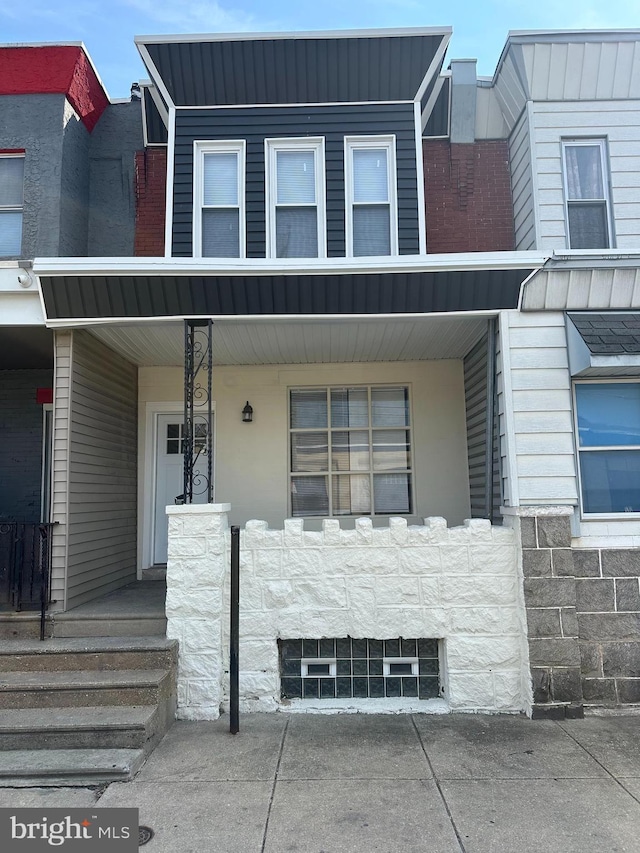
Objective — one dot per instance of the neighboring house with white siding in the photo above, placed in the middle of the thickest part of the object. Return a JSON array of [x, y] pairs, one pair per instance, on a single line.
[[389, 260]]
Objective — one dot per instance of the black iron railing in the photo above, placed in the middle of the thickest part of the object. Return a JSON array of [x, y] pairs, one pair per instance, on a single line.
[[25, 564], [198, 412]]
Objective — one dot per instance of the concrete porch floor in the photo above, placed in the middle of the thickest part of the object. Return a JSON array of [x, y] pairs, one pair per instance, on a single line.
[[132, 611]]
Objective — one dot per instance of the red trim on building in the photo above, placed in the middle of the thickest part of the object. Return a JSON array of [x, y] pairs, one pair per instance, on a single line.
[[44, 396], [12, 150], [54, 69]]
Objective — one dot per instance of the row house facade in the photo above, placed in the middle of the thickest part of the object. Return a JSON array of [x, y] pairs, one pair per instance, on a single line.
[[402, 304]]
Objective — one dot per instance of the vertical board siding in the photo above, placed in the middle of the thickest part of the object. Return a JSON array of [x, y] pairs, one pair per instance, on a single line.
[[332, 122], [522, 184], [619, 123], [60, 465], [475, 394], [542, 417], [102, 466]]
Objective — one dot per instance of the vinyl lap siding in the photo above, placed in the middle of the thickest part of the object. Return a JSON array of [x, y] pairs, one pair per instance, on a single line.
[[102, 483], [542, 409], [475, 392], [619, 123], [522, 185], [333, 123], [60, 465]]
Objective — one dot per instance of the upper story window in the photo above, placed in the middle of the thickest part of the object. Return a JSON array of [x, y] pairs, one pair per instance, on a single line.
[[608, 416], [350, 451], [587, 193], [219, 200], [371, 196], [11, 201], [295, 198]]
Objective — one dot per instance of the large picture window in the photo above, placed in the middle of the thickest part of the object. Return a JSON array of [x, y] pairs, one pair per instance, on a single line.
[[371, 206], [608, 416], [350, 451], [295, 198], [218, 216], [587, 194], [11, 201]]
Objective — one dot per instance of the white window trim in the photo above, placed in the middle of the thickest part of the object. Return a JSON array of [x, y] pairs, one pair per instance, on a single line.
[[411, 471], [330, 662], [200, 148], [601, 144], [350, 144], [599, 516], [13, 208], [304, 143]]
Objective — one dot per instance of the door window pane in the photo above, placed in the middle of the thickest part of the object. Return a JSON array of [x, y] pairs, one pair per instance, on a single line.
[[608, 415]]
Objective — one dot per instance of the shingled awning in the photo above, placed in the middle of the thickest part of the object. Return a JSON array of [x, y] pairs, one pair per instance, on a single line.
[[604, 344]]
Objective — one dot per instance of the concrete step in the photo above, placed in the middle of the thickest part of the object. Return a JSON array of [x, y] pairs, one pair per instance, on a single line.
[[88, 653], [74, 688], [71, 625], [123, 727], [21, 626], [68, 767]]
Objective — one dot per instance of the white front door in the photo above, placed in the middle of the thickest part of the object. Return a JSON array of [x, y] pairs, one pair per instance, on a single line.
[[170, 472]]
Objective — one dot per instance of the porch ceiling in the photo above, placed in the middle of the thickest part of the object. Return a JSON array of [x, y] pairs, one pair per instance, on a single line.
[[309, 342]]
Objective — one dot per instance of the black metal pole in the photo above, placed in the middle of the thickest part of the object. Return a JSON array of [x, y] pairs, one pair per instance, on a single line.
[[234, 691]]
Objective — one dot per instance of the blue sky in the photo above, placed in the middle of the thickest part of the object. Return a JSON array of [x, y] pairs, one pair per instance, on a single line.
[[107, 27]]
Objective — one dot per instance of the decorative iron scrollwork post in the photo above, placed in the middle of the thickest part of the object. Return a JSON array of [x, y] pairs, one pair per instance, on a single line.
[[198, 412]]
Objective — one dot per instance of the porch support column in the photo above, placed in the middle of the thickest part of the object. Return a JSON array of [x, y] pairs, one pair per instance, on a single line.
[[198, 412], [196, 570]]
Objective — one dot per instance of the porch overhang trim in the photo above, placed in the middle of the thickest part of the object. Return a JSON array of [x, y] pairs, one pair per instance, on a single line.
[[93, 297]]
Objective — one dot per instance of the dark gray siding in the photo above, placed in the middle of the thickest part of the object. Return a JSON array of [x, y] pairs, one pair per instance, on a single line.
[[331, 122], [73, 297], [438, 123], [21, 444], [102, 472], [295, 70], [156, 130], [114, 142], [475, 392]]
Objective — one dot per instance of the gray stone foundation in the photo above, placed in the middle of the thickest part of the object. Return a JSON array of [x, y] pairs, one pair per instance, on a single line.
[[583, 619]]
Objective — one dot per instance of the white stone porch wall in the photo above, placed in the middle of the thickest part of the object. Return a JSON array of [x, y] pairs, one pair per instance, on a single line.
[[462, 585]]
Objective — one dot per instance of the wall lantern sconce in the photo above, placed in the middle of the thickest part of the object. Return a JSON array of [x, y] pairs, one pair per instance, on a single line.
[[247, 414]]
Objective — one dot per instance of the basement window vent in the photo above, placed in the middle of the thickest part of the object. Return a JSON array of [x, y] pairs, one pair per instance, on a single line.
[[347, 668]]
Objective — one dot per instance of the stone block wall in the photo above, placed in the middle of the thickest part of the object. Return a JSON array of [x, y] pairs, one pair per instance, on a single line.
[[583, 617], [459, 585]]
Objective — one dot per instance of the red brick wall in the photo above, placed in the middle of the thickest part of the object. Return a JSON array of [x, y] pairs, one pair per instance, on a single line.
[[468, 196], [151, 183]]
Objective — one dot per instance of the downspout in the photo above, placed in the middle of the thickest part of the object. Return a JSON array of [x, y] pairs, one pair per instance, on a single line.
[[490, 426]]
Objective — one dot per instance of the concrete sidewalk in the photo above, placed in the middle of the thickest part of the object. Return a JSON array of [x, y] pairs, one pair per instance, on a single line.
[[393, 784]]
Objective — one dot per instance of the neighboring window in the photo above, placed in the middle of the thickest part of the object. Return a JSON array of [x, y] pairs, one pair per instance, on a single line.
[[295, 184], [370, 185], [608, 415], [587, 194], [350, 451], [219, 193], [11, 187]]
